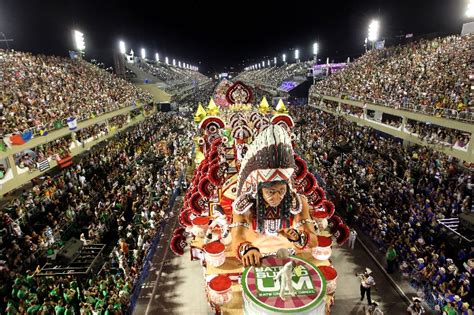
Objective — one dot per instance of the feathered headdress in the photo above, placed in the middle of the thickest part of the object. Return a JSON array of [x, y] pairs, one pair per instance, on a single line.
[[269, 158]]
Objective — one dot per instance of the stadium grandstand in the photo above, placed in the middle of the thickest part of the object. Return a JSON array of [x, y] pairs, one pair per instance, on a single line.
[[237, 182]]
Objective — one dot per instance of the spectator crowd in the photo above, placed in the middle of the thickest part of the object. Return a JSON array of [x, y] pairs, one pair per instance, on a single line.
[[429, 76], [191, 98], [39, 91], [118, 193], [397, 194], [274, 76], [176, 78], [431, 133]]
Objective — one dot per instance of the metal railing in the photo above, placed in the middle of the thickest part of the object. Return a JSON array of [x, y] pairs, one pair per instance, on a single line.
[[464, 115]]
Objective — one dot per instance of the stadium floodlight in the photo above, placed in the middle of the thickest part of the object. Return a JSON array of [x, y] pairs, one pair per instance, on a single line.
[[157, 57], [79, 40], [315, 49], [143, 53], [174, 62], [315, 52], [166, 60], [122, 47], [179, 63], [374, 27], [274, 61], [297, 54], [283, 57], [470, 9]]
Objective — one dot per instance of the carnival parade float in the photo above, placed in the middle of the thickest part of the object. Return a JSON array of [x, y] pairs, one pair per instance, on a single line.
[[255, 217]]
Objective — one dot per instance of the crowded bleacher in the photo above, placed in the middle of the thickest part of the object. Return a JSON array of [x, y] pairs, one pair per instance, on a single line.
[[200, 94], [429, 76], [428, 132], [118, 193], [39, 92], [176, 78], [396, 194], [274, 76]]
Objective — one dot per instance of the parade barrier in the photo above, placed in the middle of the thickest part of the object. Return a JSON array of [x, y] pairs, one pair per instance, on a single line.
[[147, 261]]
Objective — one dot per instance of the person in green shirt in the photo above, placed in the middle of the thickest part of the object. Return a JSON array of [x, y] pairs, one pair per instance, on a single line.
[[21, 292], [33, 309], [11, 308], [47, 307], [69, 295], [449, 309], [59, 309], [69, 310], [390, 256], [30, 279], [99, 303], [86, 308]]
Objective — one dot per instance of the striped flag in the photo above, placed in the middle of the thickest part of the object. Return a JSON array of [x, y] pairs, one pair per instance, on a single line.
[[72, 123], [43, 165]]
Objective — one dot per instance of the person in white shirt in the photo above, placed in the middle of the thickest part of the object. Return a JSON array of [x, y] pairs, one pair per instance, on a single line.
[[366, 283], [373, 309], [415, 307], [352, 238]]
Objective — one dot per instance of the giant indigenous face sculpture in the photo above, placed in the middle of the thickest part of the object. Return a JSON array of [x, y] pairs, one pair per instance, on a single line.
[[267, 212], [273, 193]]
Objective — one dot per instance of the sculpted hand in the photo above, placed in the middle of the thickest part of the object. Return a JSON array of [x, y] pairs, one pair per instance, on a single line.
[[252, 258]]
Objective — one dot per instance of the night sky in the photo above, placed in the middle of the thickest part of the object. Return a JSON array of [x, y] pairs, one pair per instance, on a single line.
[[217, 35]]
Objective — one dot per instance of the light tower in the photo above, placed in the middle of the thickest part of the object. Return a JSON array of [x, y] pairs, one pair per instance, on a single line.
[[122, 47], [79, 43], [373, 33], [315, 51]]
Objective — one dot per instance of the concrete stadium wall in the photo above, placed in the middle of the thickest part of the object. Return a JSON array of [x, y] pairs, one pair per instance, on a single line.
[[464, 155]]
